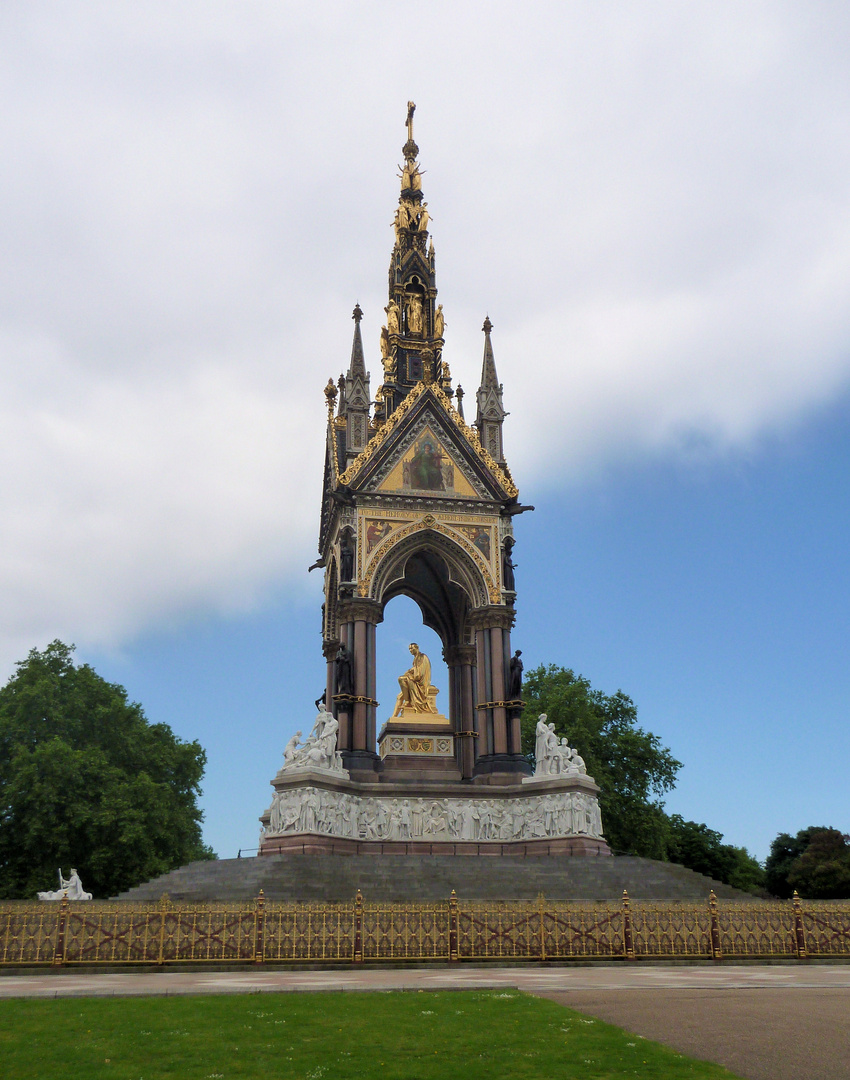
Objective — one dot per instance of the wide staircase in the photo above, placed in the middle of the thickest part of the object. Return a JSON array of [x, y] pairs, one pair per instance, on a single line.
[[394, 878]]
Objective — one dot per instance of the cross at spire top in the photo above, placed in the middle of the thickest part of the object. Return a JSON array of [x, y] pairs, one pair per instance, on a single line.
[[410, 149]]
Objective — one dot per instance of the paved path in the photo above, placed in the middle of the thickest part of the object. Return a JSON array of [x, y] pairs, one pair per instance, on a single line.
[[772, 1022]]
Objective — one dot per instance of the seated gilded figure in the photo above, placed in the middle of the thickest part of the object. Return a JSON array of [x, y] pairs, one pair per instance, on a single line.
[[416, 692]]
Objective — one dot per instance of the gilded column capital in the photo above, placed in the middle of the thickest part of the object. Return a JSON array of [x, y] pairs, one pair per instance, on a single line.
[[494, 615], [360, 609]]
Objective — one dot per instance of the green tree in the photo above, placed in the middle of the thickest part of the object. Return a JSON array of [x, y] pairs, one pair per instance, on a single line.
[[815, 862], [702, 849], [86, 781], [629, 764]]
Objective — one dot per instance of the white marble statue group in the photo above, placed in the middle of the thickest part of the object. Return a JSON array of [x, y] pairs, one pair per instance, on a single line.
[[338, 813], [552, 755], [318, 751], [71, 887]]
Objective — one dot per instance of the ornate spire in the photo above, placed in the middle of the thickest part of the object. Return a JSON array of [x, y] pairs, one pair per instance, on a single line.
[[357, 365], [491, 412], [356, 394], [412, 340]]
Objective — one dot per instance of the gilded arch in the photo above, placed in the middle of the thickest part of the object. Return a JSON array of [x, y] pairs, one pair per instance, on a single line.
[[466, 568], [434, 569]]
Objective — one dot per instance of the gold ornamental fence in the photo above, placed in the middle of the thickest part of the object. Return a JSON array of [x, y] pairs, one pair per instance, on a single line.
[[261, 931]]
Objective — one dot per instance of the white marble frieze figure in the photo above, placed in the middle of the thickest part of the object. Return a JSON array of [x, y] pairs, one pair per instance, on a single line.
[[318, 752], [71, 887], [336, 813], [553, 756]]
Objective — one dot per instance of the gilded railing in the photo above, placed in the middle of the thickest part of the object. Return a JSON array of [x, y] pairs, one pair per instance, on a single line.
[[261, 931]]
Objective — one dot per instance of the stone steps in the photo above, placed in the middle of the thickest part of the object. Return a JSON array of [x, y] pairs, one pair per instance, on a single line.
[[395, 878]]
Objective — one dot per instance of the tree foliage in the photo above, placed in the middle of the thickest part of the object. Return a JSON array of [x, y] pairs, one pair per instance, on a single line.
[[629, 764], [815, 863], [702, 849], [86, 781]]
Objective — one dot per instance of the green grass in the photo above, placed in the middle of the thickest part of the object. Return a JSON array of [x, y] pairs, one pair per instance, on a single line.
[[328, 1036]]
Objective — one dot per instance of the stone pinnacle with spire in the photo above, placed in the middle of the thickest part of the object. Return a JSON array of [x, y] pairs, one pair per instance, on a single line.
[[356, 394], [491, 412]]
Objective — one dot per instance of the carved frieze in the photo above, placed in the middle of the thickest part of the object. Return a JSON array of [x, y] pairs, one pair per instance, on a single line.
[[340, 813]]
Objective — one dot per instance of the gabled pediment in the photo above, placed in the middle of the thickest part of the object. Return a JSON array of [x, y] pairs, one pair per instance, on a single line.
[[425, 448]]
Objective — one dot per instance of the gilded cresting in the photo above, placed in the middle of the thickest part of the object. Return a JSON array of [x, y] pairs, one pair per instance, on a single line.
[[420, 503]]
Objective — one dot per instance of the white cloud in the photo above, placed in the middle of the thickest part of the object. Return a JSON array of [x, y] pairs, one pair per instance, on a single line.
[[649, 199]]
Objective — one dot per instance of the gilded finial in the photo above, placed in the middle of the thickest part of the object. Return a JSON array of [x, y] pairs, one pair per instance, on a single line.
[[357, 314], [410, 149], [330, 394]]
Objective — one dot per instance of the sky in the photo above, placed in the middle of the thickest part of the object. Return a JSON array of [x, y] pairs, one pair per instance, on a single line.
[[651, 202]]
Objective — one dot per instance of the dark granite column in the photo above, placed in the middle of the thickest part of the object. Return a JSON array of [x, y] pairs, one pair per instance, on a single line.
[[497, 690], [499, 755], [358, 741], [358, 618], [482, 647], [371, 685], [461, 664]]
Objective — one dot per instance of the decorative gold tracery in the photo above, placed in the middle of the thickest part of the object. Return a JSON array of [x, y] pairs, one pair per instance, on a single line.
[[500, 475], [429, 523]]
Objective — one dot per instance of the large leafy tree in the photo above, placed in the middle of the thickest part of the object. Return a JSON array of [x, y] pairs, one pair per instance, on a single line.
[[815, 862], [86, 781], [630, 765], [702, 849]]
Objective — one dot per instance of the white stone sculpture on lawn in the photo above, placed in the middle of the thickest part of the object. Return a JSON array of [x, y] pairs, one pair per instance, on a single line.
[[71, 887], [318, 751]]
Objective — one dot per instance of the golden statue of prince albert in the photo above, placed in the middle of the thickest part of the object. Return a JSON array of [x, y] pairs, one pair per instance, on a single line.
[[416, 692]]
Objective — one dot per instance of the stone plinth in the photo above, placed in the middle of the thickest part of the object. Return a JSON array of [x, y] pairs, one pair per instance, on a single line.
[[417, 747]]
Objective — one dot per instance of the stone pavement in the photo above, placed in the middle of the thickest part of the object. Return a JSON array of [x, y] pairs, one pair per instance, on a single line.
[[764, 1022]]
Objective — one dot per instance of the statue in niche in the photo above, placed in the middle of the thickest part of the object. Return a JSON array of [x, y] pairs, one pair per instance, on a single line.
[[71, 887], [343, 668], [515, 677], [385, 345], [393, 317], [439, 324], [421, 224], [416, 692], [508, 566], [415, 317], [347, 552]]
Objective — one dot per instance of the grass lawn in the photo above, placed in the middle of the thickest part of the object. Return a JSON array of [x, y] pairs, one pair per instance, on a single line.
[[419, 1035]]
